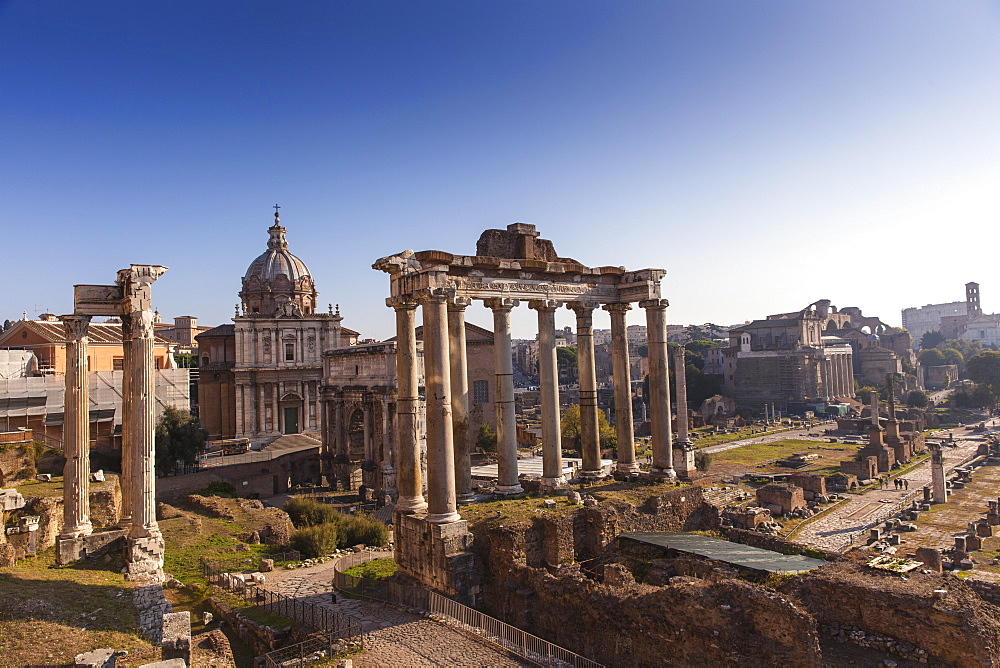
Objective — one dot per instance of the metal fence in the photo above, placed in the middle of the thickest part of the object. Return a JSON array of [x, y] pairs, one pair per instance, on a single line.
[[340, 633], [493, 631], [318, 649]]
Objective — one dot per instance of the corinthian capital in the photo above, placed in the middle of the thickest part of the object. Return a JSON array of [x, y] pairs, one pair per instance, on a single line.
[[75, 326]]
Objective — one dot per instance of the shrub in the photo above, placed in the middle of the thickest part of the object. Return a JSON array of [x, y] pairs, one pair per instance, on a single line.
[[316, 541], [358, 529], [702, 461], [306, 512], [221, 489]]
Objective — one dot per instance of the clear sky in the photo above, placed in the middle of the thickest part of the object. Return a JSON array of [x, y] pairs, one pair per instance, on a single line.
[[766, 154]]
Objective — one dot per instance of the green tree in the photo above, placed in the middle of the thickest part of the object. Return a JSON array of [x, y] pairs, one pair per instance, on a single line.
[[570, 429], [931, 357], [984, 369], [566, 360], [917, 399], [486, 440], [952, 356], [931, 340], [179, 438], [702, 461]]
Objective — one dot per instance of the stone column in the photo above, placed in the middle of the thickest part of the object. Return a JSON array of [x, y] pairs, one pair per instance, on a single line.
[[659, 386], [846, 383], [938, 485], [507, 482], [128, 429], [76, 430], [548, 380], [590, 437], [143, 402], [441, 502], [144, 552], [275, 419], [460, 398], [409, 482], [826, 378], [623, 389], [684, 452]]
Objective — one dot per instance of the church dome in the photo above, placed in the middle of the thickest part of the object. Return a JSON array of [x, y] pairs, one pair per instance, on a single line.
[[278, 283]]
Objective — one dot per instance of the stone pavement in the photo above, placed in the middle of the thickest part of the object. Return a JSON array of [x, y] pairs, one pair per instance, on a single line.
[[397, 638], [836, 526]]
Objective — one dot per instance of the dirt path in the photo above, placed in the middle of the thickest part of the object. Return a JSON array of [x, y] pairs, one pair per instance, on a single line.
[[833, 528]]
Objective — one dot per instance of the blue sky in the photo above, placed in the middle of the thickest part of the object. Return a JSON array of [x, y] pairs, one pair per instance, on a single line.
[[766, 154]]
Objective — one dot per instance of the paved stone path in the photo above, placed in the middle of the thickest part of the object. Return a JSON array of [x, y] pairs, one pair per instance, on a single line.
[[836, 526], [397, 638]]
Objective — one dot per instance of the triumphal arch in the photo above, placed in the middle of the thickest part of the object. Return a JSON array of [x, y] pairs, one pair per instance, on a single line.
[[510, 267]]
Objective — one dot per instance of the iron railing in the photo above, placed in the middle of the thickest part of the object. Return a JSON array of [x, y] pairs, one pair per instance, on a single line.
[[490, 630], [318, 649]]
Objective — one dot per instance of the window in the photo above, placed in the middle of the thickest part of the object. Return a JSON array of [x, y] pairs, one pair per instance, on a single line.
[[480, 391], [289, 352], [118, 364]]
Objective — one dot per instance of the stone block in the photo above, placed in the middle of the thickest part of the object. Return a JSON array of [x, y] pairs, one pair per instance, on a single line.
[[266, 565], [97, 476], [993, 519], [168, 663], [98, 658], [930, 558], [984, 530], [973, 543], [175, 637], [43, 477], [960, 543], [11, 499]]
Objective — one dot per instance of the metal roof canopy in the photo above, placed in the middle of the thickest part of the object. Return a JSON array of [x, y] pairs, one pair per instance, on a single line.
[[744, 556]]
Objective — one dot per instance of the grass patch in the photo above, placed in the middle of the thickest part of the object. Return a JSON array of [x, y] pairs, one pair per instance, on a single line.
[[376, 569], [48, 615], [766, 455], [190, 538]]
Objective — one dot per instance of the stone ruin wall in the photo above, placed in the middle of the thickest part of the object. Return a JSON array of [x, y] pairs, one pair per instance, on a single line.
[[960, 629], [564, 579], [16, 463], [538, 582], [105, 511]]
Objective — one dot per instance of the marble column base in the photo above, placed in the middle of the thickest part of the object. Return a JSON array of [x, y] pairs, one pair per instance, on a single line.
[[442, 518], [144, 558], [78, 531], [465, 499], [554, 484], [508, 490], [627, 468], [411, 505], [668, 474]]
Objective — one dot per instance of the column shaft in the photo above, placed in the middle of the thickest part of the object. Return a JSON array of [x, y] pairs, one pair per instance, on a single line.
[[460, 398], [143, 402], [76, 430], [659, 386], [590, 438], [128, 428], [507, 482], [441, 501], [549, 389], [623, 389], [409, 482]]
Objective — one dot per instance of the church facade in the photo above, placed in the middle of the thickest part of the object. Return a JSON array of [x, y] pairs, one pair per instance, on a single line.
[[277, 346]]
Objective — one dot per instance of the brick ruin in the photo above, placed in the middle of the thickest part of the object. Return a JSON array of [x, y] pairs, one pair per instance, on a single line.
[[567, 579]]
